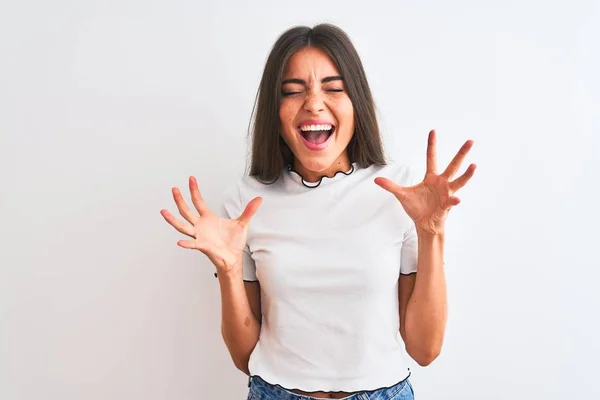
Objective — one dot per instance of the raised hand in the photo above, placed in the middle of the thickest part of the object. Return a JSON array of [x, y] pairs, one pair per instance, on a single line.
[[221, 239], [429, 202]]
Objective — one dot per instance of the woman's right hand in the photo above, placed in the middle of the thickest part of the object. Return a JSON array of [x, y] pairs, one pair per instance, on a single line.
[[221, 239]]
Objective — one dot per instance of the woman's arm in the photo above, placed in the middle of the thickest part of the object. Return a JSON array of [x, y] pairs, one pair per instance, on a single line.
[[423, 302], [240, 310], [427, 204], [222, 239]]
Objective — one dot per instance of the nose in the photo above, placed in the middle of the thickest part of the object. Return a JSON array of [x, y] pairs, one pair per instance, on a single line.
[[314, 102]]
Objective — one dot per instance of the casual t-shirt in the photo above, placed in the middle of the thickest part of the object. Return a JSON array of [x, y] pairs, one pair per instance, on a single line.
[[328, 258]]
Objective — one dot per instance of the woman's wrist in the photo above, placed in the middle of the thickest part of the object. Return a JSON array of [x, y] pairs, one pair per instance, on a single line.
[[233, 271], [429, 235]]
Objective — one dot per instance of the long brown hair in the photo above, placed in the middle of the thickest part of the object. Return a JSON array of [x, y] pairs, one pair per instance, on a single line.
[[270, 154]]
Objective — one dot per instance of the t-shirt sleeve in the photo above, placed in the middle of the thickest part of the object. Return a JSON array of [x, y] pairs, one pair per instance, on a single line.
[[231, 207], [409, 252]]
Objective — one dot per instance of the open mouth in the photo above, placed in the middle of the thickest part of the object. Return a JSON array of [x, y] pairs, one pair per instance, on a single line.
[[316, 135]]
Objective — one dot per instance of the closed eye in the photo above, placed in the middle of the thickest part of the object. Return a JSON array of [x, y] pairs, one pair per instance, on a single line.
[[328, 90]]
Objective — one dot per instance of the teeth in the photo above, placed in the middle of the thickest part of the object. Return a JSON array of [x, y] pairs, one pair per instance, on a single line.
[[323, 127]]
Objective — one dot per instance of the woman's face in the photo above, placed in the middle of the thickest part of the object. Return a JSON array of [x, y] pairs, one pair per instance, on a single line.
[[316, 114]]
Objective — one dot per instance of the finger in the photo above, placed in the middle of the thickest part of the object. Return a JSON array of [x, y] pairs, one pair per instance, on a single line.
[[454, 201], [177, 224], [187, 244], [390, 186], [431, 153], [197, 199], [183, 208], [457, 160], [249, 211], [463, 179]]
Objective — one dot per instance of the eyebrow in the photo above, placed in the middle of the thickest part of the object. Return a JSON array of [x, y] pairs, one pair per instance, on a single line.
[[303, 82]]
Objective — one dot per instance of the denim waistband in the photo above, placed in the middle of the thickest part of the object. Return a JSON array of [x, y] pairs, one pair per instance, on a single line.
[[262, 390]]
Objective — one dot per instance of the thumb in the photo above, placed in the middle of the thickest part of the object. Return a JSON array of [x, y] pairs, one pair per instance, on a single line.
[[249, 211], [390, 186]]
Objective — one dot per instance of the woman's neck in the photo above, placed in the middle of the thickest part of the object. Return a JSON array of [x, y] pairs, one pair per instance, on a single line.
[[341, 164]]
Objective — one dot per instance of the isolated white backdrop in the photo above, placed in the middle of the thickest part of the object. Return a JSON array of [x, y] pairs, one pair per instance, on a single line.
[[105, 105]]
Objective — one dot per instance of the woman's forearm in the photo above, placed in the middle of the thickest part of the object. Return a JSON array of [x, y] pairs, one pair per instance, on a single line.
[[239, 327], [426, 312]]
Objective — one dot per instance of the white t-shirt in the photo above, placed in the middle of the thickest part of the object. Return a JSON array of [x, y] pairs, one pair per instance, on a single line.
[[328, 259]]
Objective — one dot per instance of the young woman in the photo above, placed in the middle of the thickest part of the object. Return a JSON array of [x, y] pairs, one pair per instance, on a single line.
[[329, 259]]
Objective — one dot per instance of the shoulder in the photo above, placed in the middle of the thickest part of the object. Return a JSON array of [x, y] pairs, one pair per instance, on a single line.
[[234, 190], [246, 188], [236, 195], [232, 198]]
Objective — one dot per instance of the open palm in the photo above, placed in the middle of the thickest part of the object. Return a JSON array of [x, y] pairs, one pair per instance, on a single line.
[[221, 239], [429, 202]]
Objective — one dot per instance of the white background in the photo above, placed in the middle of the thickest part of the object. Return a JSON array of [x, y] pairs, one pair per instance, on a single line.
[[105, 105]]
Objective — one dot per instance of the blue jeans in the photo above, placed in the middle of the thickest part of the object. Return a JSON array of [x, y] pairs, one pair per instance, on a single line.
[[261, 390]]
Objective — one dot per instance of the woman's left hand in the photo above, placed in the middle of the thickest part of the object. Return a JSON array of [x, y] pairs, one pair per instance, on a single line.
[[429, 202]]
